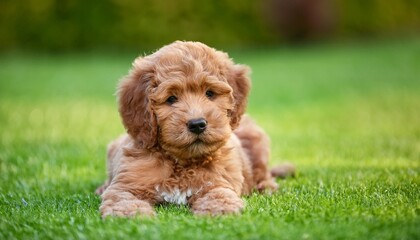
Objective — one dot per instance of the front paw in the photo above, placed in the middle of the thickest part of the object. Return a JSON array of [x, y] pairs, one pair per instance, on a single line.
[[218, 202], [126, 208]]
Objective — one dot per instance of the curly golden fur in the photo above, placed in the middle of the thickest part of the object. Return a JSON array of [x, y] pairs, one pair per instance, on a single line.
[[188, 139]]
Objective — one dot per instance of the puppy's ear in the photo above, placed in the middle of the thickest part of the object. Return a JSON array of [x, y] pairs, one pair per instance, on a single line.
[[135, 106], [240, 82]]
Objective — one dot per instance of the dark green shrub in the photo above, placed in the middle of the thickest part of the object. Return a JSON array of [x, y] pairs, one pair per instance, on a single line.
[[147, 24]]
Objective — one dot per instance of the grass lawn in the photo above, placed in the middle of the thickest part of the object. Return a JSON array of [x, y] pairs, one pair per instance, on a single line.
[[347, 115]]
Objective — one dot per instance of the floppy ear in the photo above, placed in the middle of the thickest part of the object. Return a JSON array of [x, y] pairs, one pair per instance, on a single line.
[[134, 104], [240, 82]]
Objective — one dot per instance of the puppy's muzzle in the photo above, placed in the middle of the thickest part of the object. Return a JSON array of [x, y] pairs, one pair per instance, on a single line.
[[197, 126]]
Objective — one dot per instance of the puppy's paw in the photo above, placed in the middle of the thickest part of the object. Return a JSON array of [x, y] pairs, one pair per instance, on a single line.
[[284, 170], [101, 188], [267, 186], [218, 202], [126, 208]]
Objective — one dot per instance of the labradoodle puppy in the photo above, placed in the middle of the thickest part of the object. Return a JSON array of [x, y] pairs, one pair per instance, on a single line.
[[188, 139]]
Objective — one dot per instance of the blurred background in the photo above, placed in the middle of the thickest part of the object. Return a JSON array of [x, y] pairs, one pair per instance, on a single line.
[[76, 25]]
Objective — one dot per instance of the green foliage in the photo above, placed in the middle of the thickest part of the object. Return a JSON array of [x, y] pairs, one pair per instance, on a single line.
[[148, 24], [72, 24], [376, 17], [347, 116]]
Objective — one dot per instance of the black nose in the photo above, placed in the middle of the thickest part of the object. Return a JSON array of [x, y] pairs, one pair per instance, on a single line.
[[197, 126]]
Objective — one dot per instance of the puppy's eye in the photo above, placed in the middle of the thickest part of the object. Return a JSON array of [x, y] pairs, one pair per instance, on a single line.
[[210, 94], [171, 100]]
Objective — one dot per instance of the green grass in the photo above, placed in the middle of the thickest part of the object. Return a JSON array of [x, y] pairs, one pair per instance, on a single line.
[[347, 115]]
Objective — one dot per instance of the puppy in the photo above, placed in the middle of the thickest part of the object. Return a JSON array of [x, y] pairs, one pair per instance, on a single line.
[[188, 139]]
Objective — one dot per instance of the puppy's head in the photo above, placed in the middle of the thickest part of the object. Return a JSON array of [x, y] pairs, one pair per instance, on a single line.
[[185, 98]]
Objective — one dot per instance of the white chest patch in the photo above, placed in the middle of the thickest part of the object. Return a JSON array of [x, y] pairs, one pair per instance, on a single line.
[[176, 196]]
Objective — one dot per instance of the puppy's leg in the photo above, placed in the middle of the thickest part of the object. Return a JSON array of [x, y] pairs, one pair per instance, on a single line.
[[117, 202], [217, 201], [256, 145]]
